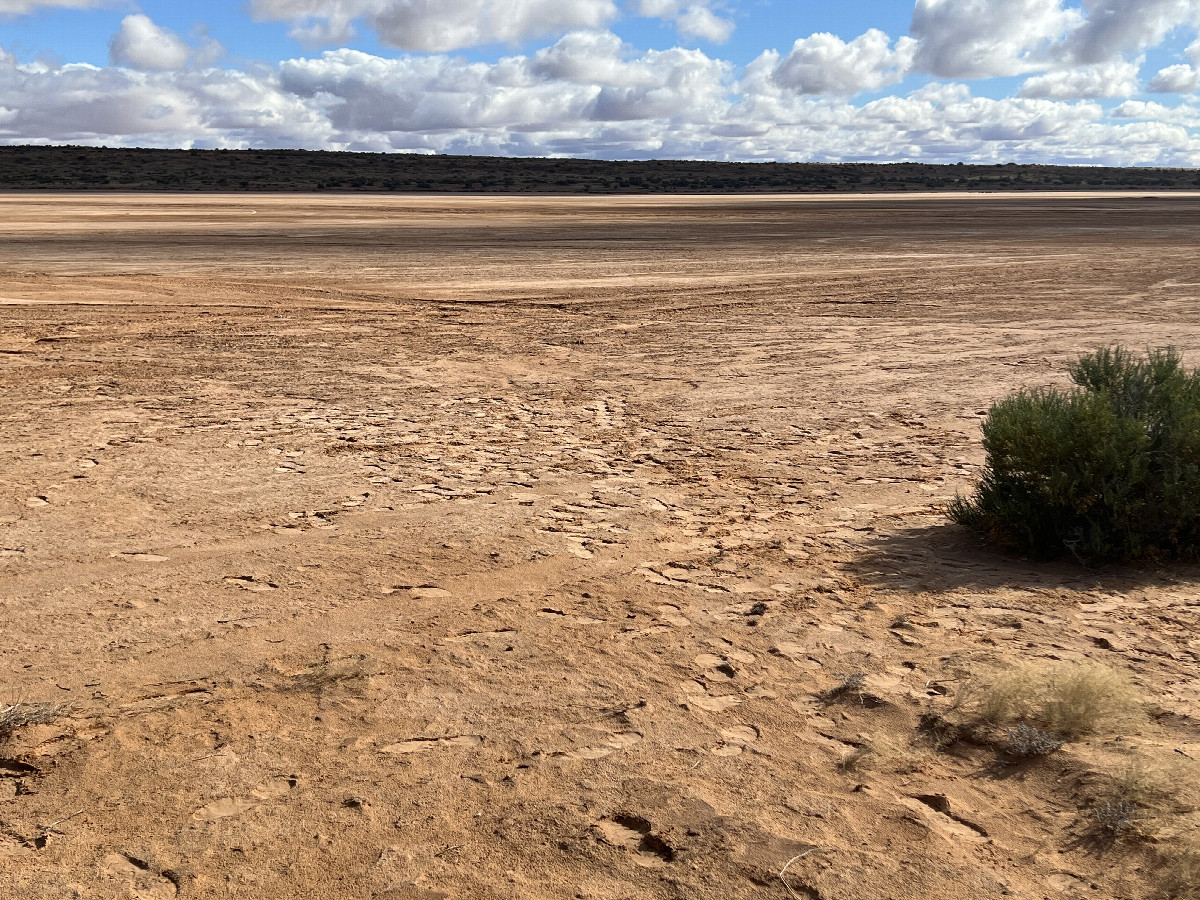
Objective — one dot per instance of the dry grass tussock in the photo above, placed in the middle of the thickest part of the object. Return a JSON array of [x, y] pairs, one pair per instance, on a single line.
[[14, 716], [1069, 700], [1179, 870]]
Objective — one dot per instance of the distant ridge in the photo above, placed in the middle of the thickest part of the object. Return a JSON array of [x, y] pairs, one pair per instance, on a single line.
[[110, 169]]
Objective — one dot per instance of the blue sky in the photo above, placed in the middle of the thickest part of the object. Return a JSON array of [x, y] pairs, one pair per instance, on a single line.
[[82, 35], [1111, 81]]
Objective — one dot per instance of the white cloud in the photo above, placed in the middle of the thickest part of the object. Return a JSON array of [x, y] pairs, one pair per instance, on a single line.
[[141, 44], [434, 26], [1118, 28], [585, 78], [825, 64], [591, 94], [1180, 79], [22, 7], [88, 105], [691, 19], [701, 22], [1116, 79], [988, 38]]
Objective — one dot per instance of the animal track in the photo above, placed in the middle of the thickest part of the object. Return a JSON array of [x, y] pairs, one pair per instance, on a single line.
[[635, 833]]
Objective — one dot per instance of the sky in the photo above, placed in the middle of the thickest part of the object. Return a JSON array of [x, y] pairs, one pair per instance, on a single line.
[[1112, 82]]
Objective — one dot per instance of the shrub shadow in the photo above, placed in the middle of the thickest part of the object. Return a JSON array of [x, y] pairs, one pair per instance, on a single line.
[[946, 557]]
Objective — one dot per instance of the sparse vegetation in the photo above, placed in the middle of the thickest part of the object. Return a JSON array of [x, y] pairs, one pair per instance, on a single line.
[[1107, 471], [1027, 742], [1067, 700], [856, 759], [14, 716], [1179, 870], [139, 169], [1116, 818], [851, 685]]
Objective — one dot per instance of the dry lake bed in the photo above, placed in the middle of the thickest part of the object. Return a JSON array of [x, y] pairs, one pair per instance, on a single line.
[[462, 547]]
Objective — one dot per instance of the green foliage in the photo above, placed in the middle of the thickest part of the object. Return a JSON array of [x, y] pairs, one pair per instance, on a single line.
[[139, 169], [1109, 470]]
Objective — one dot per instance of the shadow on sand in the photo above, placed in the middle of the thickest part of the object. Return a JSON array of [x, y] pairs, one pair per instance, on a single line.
[[945, 557]]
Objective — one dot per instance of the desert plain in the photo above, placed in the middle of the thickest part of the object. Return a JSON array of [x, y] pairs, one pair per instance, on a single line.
[[518, 547]]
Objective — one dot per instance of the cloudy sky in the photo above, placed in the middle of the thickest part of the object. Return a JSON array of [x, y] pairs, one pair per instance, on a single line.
[[1078, 81]]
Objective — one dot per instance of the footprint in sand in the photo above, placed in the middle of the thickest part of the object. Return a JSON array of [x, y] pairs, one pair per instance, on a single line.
[[250, 583], [735, 740], [673, 615], [622, 740], [138, 555], [423, 745], [635, 833], [723, 668], [696, 696], [272, 789], [146, 882]]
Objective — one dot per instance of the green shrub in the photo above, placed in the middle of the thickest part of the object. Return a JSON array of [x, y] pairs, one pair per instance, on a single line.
[[1108, 470]]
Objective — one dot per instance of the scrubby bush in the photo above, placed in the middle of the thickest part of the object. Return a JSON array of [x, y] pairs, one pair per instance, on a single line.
[[1108, 470], [1027, 742]]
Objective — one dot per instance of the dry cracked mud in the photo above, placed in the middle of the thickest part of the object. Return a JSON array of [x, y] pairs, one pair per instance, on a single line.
[[440, 547]]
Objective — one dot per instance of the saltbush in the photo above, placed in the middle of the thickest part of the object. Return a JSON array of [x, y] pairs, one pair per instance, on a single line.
[[1108, 470]]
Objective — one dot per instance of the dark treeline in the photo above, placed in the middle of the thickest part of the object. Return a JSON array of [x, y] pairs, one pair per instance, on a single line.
[[105, 169]]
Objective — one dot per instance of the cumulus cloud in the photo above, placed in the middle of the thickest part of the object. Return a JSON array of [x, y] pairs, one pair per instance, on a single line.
[[988, 38], [1179, 79], [825, 64], [141, 44], [701, 22], [691, 19], [584, 78], [589, 93], [1117, 79], [1116, 28], [22, 7], [434, 26], [85, 104]]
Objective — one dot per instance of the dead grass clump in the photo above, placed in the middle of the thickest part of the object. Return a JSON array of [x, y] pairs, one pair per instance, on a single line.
[[1179, 870], [20, 715], [1069, 700], [851, 685], [857, 759], [1143, 784]]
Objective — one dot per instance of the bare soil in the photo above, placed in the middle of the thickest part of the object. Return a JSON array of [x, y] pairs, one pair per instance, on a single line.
[[441, 547]]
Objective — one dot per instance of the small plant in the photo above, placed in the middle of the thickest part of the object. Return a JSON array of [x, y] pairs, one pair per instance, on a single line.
[[1027, 742], [20, 715], [1069, 700], [1116, 817], [1109, 470], [856, 759], [853, 685]]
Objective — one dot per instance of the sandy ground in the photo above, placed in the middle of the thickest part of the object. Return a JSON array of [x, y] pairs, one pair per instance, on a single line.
[[421, 548]]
